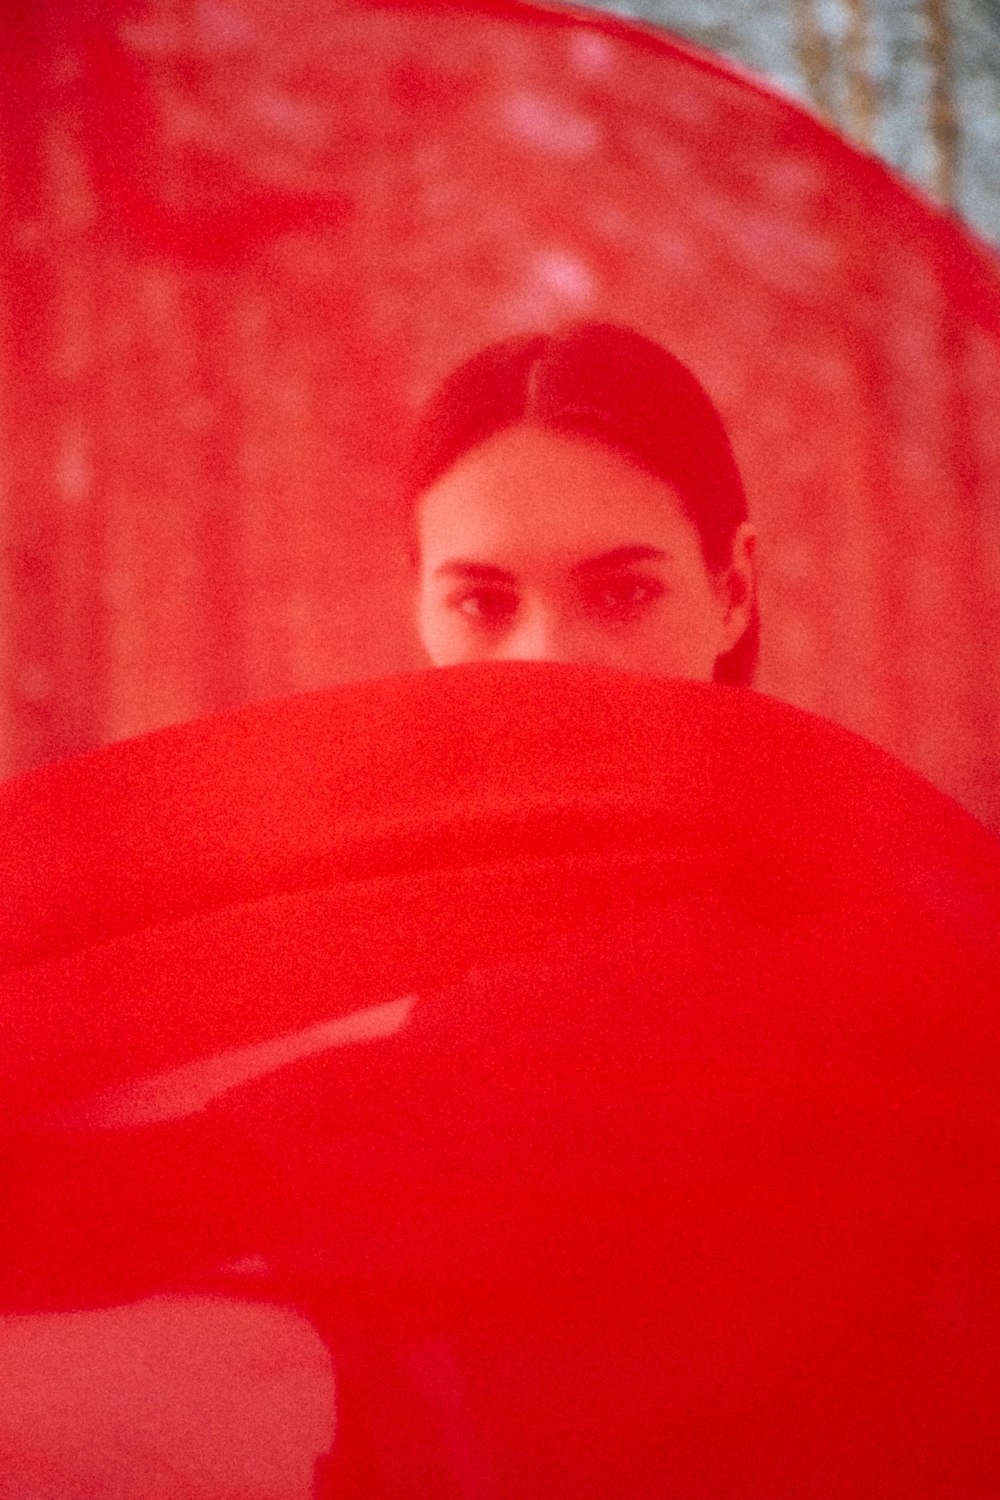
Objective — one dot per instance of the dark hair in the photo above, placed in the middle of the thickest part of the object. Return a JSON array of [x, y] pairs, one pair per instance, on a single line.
[[619, 388]]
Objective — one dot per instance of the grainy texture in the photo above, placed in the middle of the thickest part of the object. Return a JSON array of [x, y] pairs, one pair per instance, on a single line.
[[238, 250], [915, 81], [187, 1398]]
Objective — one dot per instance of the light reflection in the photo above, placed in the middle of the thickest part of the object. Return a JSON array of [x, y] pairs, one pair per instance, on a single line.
[[186, 1090]]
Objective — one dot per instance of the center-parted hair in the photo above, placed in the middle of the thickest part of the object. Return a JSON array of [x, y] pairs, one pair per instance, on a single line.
[[613, 386]]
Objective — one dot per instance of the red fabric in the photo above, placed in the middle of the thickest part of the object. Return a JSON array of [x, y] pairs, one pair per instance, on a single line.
[[680, 1173], [326, 836], [242, 241]]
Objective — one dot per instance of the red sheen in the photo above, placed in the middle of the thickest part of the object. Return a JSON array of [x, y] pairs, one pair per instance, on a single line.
[[682, 1174]]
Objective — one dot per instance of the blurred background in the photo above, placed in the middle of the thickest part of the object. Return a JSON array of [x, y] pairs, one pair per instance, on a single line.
[[916, 81], [244, 238]]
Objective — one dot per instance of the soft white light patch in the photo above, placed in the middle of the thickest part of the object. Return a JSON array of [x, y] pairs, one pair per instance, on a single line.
[[185, 1090]]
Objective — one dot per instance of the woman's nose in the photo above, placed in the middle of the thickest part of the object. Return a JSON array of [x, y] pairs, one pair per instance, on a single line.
[[541, 635]]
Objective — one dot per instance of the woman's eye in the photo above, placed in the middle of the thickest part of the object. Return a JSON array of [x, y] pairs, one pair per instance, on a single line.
[[623, 598], [485, 606]]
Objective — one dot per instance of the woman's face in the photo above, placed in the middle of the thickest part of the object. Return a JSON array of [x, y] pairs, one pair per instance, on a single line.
[[540, 546]]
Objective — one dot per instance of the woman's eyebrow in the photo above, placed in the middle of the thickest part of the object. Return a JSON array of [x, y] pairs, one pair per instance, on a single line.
[[474, 571], [620, 557]]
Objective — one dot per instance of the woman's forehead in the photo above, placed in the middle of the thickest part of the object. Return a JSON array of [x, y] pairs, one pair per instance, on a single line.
[[531, 490]]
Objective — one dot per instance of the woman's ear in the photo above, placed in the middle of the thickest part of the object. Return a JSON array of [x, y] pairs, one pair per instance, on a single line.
[[739, 584]]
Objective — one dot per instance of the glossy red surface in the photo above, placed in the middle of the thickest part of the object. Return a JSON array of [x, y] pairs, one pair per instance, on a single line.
[[676, 1170], [349, 813]]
